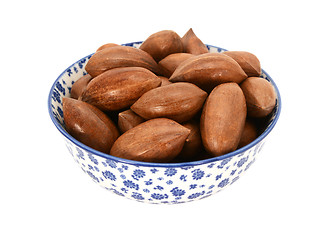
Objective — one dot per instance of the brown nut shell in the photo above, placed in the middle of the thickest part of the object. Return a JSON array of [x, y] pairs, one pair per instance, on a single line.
[[193, 144], [178, 101], [107, 45], [164, 81], [156, 140], [89, 125], [192, 44], [127, 120], [249, 134], [169, 64], [119, 56], [260, 96], [161, 44], [79, 86], [208, 70], [223, 119], [119, 88], [248, 62]]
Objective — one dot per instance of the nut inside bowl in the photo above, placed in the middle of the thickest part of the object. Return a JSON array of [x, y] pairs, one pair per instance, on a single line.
[[155, 182]]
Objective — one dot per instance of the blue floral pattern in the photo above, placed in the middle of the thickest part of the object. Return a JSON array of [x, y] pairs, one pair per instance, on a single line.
[[197, 174], [177, 192], [109, 175], [152, 184], [170, 172], [138, 173]]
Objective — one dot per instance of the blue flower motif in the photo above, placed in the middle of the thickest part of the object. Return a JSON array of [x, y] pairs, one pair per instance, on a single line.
[[138, 173], [56, 96], [124, 167], [61, 113], [123, 176], [116, 192], [196, 195], [75, 69], [120, 170], [170, 172], [149, 182], [158, 188], [224, 162], [111, 163], [92, 158], [69, 72], [209, 193], [223, 183], [81, 63], [146, 190], [92, 176], [96, 168], [90, 167], [80, 153], [177, 192], [211, 186], [233, 172], [242, 161], [183, 178], [130, 184], [154, 170], [137, 196], [218, 177], [193, 186], [197, 174], [124, 190], [109, 175], [104, 164], [159, 196], [160, 178], [169, 182], [56, 117], [60, 88], [211, 165]]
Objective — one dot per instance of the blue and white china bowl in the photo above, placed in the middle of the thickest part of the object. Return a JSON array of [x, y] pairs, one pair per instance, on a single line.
[[154, 182]]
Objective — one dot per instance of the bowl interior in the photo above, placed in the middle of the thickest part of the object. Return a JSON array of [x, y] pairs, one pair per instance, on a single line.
[[62, 87]]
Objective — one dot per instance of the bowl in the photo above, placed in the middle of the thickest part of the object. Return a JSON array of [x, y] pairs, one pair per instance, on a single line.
[[155, 182]]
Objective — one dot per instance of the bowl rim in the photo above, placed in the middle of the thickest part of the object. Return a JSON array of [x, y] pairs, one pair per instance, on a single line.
[[165, 165]]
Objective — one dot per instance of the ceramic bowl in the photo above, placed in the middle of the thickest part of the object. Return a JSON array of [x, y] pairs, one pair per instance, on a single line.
[[155, 182]]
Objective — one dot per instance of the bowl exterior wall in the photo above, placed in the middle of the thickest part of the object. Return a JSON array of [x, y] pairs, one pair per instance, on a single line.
[[163, 184]]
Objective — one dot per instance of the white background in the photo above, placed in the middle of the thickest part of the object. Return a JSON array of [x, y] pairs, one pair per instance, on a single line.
[[45, 195]]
